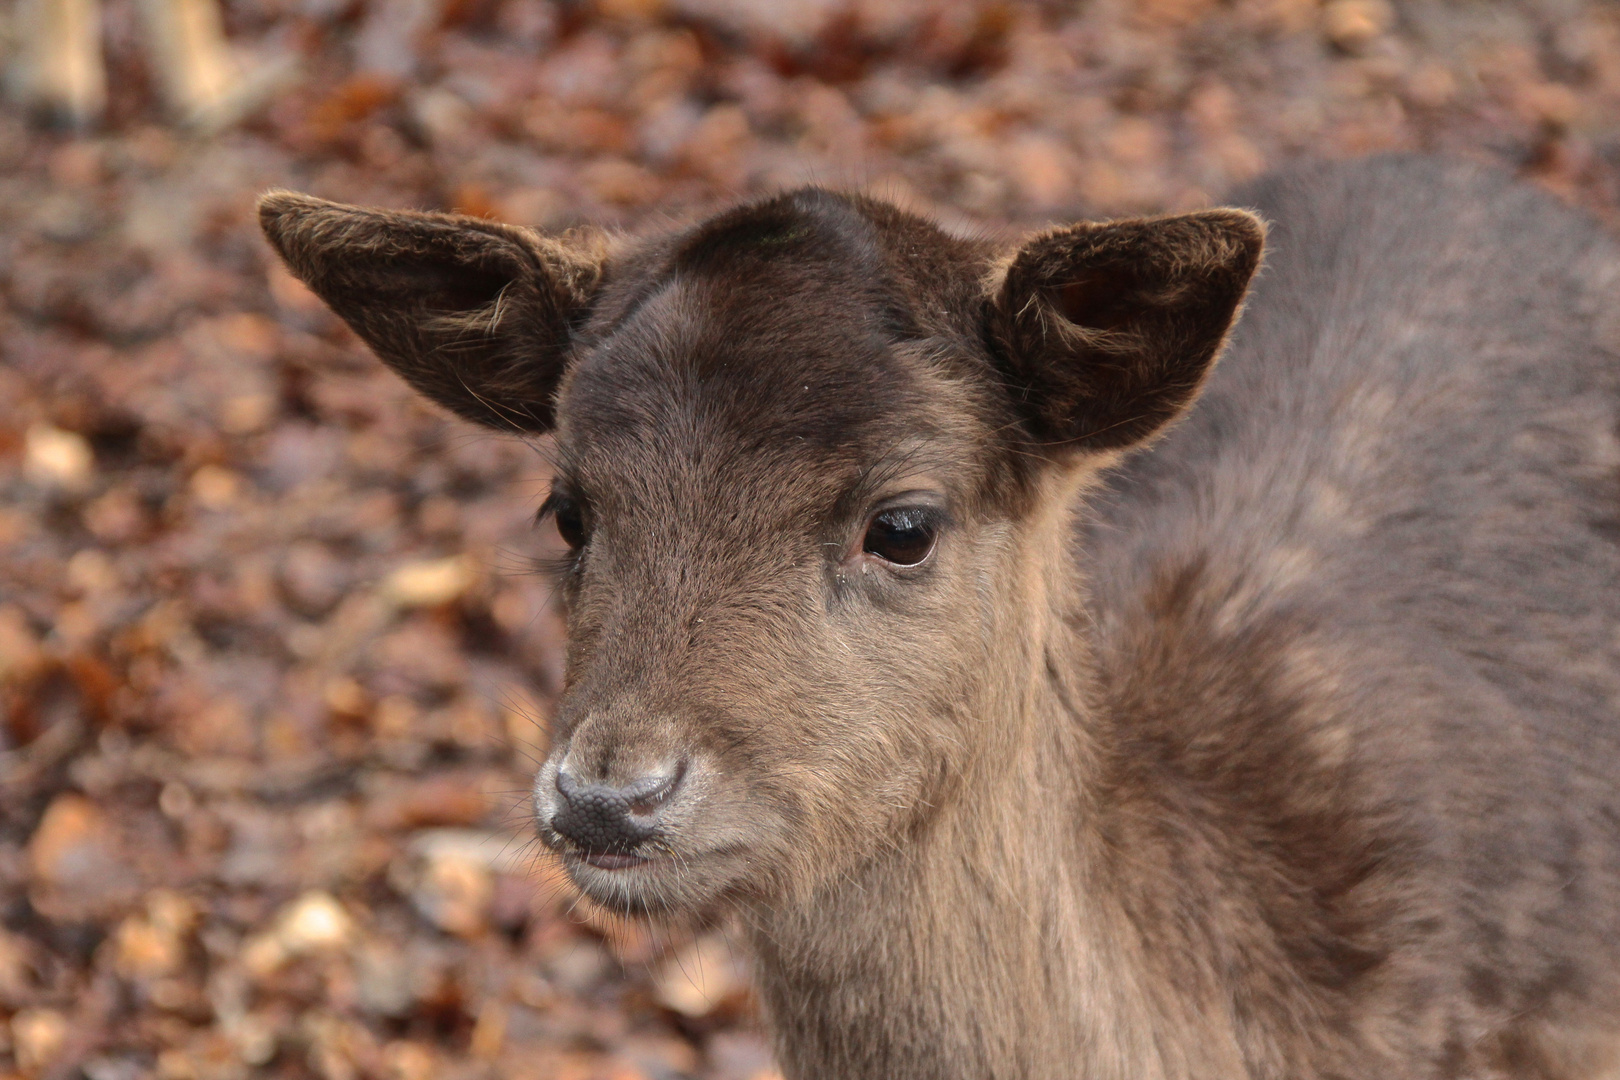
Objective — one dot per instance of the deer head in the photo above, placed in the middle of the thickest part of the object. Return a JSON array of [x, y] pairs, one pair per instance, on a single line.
[[815, 460]]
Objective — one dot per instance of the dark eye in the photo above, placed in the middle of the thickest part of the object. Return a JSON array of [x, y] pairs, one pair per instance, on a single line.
[[570, 521], [903, 536]]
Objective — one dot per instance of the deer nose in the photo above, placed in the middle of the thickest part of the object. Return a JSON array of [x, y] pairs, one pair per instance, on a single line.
[[612, 820]]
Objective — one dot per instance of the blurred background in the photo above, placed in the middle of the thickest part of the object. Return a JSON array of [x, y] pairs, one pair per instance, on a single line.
[[274, 660]]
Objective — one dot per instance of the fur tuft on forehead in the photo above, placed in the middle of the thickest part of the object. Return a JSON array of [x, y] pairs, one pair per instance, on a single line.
[[807, 224], [832, 255]]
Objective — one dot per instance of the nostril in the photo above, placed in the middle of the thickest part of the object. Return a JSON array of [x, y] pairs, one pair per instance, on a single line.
[[650, 793], [567, 786], [601, 818]]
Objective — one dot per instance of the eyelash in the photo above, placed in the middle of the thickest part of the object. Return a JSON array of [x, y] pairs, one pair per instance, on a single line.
[[568, 561]]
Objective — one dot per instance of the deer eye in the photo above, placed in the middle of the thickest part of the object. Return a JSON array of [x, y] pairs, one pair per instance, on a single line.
[[903, 536], [569, 519]]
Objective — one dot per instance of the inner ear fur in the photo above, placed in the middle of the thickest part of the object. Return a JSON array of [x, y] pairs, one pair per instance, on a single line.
[[1107, 331], [475, 314]]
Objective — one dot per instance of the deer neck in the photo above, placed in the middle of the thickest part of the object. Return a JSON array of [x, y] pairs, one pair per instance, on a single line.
[[988, 942]]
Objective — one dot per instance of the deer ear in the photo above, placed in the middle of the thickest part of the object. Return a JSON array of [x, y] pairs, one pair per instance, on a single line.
[[474, 314], [1106, 332]]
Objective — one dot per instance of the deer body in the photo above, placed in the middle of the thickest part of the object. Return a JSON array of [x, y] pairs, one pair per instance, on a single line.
[[1281, 747]]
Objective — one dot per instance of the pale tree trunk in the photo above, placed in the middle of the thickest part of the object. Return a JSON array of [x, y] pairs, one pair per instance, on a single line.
[[59, 69], [190, 57]]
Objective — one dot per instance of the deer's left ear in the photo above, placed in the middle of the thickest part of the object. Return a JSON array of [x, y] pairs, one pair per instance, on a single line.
[[1106, 332]]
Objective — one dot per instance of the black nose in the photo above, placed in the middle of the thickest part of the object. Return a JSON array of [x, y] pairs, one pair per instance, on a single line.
[[611, 820]]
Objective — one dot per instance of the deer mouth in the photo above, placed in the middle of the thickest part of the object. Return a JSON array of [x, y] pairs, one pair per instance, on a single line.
[[662, 883], [607, 860], [640, 886]]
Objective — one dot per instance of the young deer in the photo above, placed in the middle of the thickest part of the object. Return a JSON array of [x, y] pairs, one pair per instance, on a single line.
[[1030, 738]]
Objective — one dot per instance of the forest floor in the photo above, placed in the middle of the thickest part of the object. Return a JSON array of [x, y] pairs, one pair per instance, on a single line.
[[274, 659]]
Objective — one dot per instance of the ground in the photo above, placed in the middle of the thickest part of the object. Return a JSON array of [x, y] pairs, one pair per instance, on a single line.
[[275, 661]]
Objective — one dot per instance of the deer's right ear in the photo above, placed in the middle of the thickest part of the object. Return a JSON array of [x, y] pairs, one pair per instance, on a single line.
[[474, 314]]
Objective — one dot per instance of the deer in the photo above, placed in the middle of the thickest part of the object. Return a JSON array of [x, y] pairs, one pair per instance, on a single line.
[[1042, 697]]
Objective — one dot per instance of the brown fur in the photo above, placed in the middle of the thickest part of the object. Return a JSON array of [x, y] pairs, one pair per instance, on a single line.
[[1282, 748]]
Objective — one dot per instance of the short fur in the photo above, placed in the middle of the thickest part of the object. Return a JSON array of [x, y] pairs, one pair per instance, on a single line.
[[1287, 751]]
